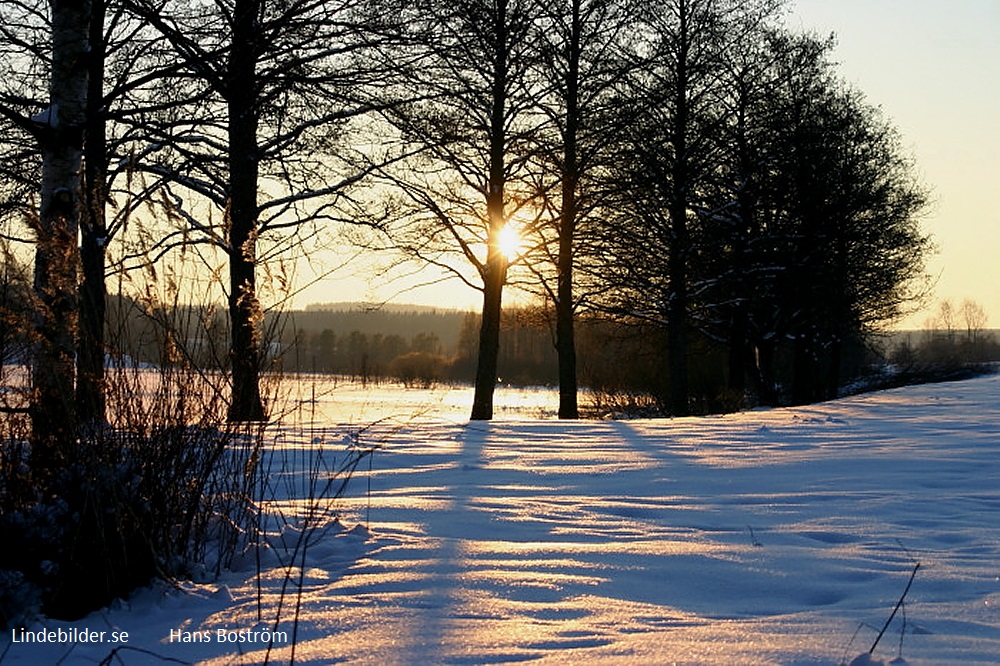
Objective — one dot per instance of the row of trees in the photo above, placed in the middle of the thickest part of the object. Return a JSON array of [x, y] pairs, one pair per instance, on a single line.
[[690, 163], [954, 339], [785, 207]]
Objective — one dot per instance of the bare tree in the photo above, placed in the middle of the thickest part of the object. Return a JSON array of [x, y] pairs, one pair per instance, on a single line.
[[584, 62], [126, 74], [473, 128], [945, 319], [975, 319], [285, 88]]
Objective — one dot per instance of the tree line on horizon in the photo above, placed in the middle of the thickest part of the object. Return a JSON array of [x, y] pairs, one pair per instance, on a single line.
[[622, 367], [690, 165]]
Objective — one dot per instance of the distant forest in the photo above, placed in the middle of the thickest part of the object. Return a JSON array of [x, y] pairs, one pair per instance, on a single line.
[[622, 364]]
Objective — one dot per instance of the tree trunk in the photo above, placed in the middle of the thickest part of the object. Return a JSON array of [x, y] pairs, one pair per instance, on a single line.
[[836, 357], [737, 380], [677, 261], [566, 345], [808, 378], [90, 387], [61, 130], [677, 337], [489, 337], [244, 309], [494, 273], [801, 371], [764, 377], [565, 337]]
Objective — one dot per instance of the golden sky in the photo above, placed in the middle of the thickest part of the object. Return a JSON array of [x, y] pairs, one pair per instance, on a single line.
[[934, 68]]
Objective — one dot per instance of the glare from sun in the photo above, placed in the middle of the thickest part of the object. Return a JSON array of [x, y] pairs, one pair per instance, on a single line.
[[509, 242]]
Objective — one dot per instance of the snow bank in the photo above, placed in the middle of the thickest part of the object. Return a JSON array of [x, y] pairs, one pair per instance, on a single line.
[[773, 537]]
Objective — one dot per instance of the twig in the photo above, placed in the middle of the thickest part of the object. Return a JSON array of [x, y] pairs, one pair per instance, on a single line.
[[902, 632], [899, 603]]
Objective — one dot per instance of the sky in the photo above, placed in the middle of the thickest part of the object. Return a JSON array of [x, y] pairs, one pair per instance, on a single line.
[[934, 69]]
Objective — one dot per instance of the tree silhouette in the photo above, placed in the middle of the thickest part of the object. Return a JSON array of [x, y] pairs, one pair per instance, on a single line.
[[284, 87], [584, 61], [472, 128]]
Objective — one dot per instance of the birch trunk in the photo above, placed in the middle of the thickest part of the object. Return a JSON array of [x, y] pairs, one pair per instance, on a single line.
[[61, 128]]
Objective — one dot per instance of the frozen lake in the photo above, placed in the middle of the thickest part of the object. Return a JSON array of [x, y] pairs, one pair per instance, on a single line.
[[330, 399]]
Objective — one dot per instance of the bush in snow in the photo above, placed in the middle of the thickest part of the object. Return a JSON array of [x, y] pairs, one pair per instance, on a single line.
[[165, 487], [20, 600], [418, 369]]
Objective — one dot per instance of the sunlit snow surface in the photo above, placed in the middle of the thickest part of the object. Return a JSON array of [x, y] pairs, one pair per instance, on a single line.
[[771, 537]]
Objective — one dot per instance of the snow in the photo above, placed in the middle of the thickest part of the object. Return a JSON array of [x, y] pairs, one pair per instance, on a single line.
[[782, 536], [47, 118]]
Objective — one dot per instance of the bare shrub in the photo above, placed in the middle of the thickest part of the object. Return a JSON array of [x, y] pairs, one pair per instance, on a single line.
[[163, 486], [415, 369], [616, 403]]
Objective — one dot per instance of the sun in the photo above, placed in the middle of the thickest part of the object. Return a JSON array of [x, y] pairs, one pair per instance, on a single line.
[[509, 241]]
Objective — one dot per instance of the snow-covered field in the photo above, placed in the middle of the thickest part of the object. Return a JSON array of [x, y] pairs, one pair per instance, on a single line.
[[783, 536]]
